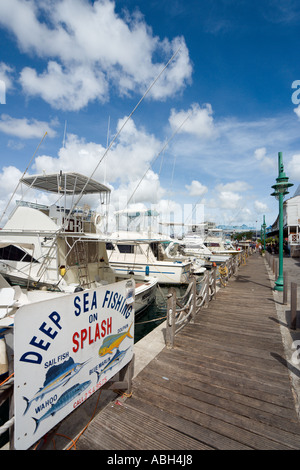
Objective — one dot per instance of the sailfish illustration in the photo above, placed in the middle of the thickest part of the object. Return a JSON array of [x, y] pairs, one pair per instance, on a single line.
[[56, 376]]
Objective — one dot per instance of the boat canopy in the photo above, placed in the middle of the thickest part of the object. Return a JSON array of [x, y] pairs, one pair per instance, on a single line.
[[65, 183]]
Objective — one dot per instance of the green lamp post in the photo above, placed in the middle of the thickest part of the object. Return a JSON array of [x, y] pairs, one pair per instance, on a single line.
[[280, 188], [264, 232]]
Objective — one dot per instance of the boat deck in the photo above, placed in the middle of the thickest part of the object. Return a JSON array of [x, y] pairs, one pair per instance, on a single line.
[[225, 385]]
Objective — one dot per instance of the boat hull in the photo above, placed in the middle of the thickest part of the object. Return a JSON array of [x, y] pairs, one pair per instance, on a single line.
[[145, 294], [166, 273]]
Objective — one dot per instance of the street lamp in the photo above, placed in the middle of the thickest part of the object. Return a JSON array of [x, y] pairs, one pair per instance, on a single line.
[[264, 232], [280, 187]]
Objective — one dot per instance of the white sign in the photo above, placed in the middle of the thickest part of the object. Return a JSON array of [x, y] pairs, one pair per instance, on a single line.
[[65, 349]]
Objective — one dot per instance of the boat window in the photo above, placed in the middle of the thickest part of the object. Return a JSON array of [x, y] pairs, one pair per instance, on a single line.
[[110, 246], [126, 248], [13, 253], [154, 248], [136, 249]]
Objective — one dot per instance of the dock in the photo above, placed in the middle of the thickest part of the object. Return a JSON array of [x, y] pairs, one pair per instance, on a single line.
[[224, 385]]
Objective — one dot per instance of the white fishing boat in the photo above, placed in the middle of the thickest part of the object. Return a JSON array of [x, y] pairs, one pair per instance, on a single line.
[[207, 244], [128, 252], [215, 241], [175, 250], [56, 248]]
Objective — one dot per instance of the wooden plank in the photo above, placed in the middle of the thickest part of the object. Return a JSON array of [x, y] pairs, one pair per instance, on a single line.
[[241, 435], [205, 436]]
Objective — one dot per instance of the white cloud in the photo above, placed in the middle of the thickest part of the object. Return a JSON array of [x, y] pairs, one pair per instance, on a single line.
[[196, 188], [88, 48], [66, 88], [260, 207], [26, 128], [297, 111], [135, 178], [147, 190], [234, 186], [15, 145], [5, 75], [135, 147], [260, 153], [293, 167], [266, 163], [9, 178], [229, 200], [199, 123]]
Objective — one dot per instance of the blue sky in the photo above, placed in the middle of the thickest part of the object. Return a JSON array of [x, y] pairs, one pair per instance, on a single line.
[[224, 103]]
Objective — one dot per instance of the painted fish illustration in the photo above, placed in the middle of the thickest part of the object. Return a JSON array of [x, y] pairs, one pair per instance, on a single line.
[[118, 357], [55, 377], [65, 398], [113, 341]]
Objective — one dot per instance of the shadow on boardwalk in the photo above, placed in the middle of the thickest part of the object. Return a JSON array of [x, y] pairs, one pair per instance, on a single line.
[[224, 385]]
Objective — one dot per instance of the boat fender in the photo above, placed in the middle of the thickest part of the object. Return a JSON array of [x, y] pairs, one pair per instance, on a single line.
[[147, 270]]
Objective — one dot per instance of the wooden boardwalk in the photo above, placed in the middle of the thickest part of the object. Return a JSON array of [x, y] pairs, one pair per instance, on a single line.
[[225, 385]]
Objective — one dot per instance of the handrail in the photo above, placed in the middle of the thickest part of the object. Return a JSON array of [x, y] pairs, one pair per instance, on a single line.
[[180, 313]]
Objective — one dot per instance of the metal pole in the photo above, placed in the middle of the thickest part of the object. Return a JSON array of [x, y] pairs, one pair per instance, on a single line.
[[279, 282]]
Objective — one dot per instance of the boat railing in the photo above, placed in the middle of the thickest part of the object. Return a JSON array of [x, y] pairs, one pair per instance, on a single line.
[[181, 311], [74, 220]]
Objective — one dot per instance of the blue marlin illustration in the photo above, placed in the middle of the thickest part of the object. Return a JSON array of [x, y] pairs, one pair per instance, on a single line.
[[64, 399], [118, 357], [55, 377]]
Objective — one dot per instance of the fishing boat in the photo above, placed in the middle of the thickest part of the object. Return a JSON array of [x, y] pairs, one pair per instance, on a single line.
[[128, 252], [56, 248], [175, 250], [215, 241], [208, 244]]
